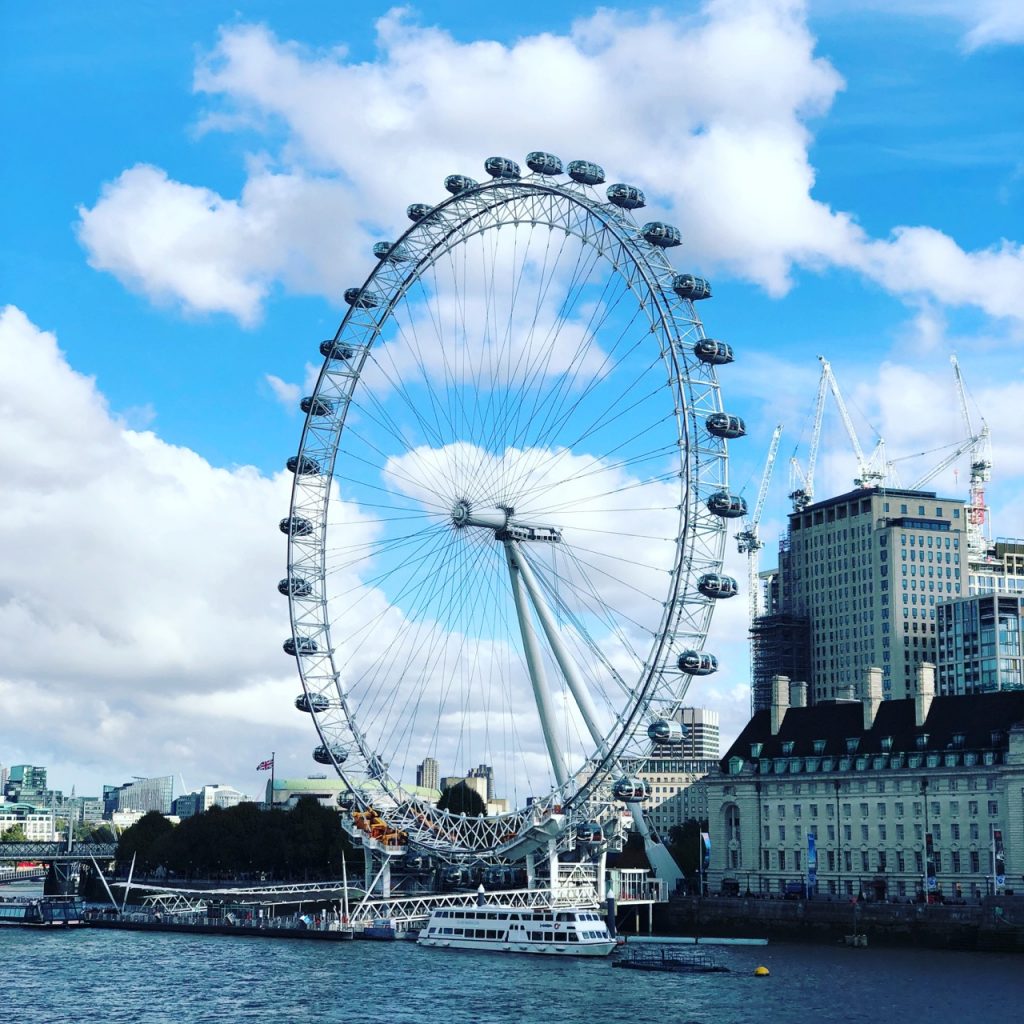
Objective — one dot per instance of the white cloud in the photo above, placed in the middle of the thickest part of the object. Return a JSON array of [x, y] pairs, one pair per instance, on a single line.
[[718, 135], [140, 629], [287, 394]]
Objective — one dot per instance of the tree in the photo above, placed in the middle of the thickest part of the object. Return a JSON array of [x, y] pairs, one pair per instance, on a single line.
[[684, 843], [461, 799], [14, 834], [141, 840]]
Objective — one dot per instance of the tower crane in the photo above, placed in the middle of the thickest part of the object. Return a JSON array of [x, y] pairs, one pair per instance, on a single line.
[[802, 484], [747, 540], [868, 471], [981, 470]]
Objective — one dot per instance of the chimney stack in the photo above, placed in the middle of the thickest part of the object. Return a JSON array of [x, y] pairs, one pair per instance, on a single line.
[[798, 694], [780, 701], [872, 696], [925, 692]]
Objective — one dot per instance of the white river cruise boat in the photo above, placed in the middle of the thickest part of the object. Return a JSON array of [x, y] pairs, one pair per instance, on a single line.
[[556, 931]]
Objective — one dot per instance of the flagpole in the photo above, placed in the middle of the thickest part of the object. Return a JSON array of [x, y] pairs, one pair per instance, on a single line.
[[271, 801]]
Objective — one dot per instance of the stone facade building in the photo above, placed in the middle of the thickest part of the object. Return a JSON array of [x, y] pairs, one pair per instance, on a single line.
[[880, 786]]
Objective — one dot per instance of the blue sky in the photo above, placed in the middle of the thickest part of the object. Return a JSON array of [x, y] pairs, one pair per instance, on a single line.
[[187, 190]]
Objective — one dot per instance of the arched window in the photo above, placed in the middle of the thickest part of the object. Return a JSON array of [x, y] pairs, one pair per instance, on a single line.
[[732, 836]]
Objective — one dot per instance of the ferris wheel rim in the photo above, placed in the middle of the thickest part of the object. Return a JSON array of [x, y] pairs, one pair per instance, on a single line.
[[625, 233]]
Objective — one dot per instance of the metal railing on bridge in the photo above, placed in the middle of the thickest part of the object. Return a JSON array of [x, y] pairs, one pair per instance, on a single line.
[[48, 853]]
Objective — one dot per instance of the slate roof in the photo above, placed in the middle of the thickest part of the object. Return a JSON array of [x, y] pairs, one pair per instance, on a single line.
[[974, 716]]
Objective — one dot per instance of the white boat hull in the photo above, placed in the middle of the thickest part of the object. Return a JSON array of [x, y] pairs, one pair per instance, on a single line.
[[542, 948]]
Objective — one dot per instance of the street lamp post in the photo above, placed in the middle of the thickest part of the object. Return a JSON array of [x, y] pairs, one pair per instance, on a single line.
[[839, 844]]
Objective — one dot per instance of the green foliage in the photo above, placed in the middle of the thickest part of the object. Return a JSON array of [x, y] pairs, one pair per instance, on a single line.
[[685, 846], [462, 799], [305, 843], [14, 834], [140, 841]]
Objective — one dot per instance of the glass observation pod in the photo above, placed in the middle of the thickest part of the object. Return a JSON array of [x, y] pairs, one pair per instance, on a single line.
[[316, 406], [331, 349], [296, 586], [456, 183], [717, 585], [697, 663], [303, 466], [310, 702], [501, 167], [388, 252], [726, 505], [330, 755], [686, 286], [543, 163], [630, 789], [417, 211], [295, 526], [665, 731], [717, 353], [347, 801], [362, 299], [589, 832], [296, 645], [665, 236], [628, 197], [585, 172], [721, 424]]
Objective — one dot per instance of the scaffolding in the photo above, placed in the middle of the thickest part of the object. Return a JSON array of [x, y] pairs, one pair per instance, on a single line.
[[781, 646]]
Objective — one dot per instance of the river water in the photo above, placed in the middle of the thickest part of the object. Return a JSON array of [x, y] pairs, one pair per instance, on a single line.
[[110, 977]]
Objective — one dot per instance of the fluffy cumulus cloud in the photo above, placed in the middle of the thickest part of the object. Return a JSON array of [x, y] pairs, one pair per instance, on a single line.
[[139, 628], [711, 113]]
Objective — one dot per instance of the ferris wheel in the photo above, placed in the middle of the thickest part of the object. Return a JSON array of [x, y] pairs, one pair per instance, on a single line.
[[509, 511]]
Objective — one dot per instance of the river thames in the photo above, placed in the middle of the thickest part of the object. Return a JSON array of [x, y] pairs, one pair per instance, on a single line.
[[110, 977]]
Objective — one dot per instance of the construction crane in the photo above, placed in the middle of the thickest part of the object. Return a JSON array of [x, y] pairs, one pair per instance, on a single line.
[[801, 483], [747, 540], [868, 469], [981, 470]]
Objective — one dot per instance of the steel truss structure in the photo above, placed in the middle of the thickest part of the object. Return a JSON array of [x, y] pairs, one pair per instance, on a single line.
[[521, 338]]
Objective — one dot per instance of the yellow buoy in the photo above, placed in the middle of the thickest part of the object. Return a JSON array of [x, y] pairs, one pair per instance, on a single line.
[[761, 972]]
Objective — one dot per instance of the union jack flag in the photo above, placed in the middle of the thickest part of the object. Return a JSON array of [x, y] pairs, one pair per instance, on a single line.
[[265, 766]]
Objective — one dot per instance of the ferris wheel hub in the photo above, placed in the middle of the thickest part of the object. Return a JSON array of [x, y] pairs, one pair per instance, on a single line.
[[501, 520]]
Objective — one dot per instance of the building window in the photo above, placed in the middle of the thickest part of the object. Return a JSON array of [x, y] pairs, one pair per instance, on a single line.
[[782, 860]]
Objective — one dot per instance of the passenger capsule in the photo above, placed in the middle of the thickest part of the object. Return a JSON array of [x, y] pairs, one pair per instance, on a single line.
[[303, 465], [456, 183], [316, 406], [388, 252], [721, 424], [665, 236], [629, 197], [589, 832], [295, 526], [376, 768], [501, 167], [585, 172], [717, 353], [697, 663], [347, 801], [726, 505], [686, 286], [543, 163], [418, 211], [310, 702], [295, 586], [296, 645], [630, 789], [330, 755], [331, 349], [665, 731], [717, 585], [361, 298]]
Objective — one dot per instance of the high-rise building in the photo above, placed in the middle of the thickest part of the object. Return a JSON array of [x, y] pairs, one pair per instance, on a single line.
[[700, 733], [866, 570], [26, 783], [980, 644], [144, 795], [428, 774], [484, 771]]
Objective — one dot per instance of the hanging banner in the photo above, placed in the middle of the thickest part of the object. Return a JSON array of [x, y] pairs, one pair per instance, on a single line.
[[998, 859], [929, 861], [812, 862], [705, 839]]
